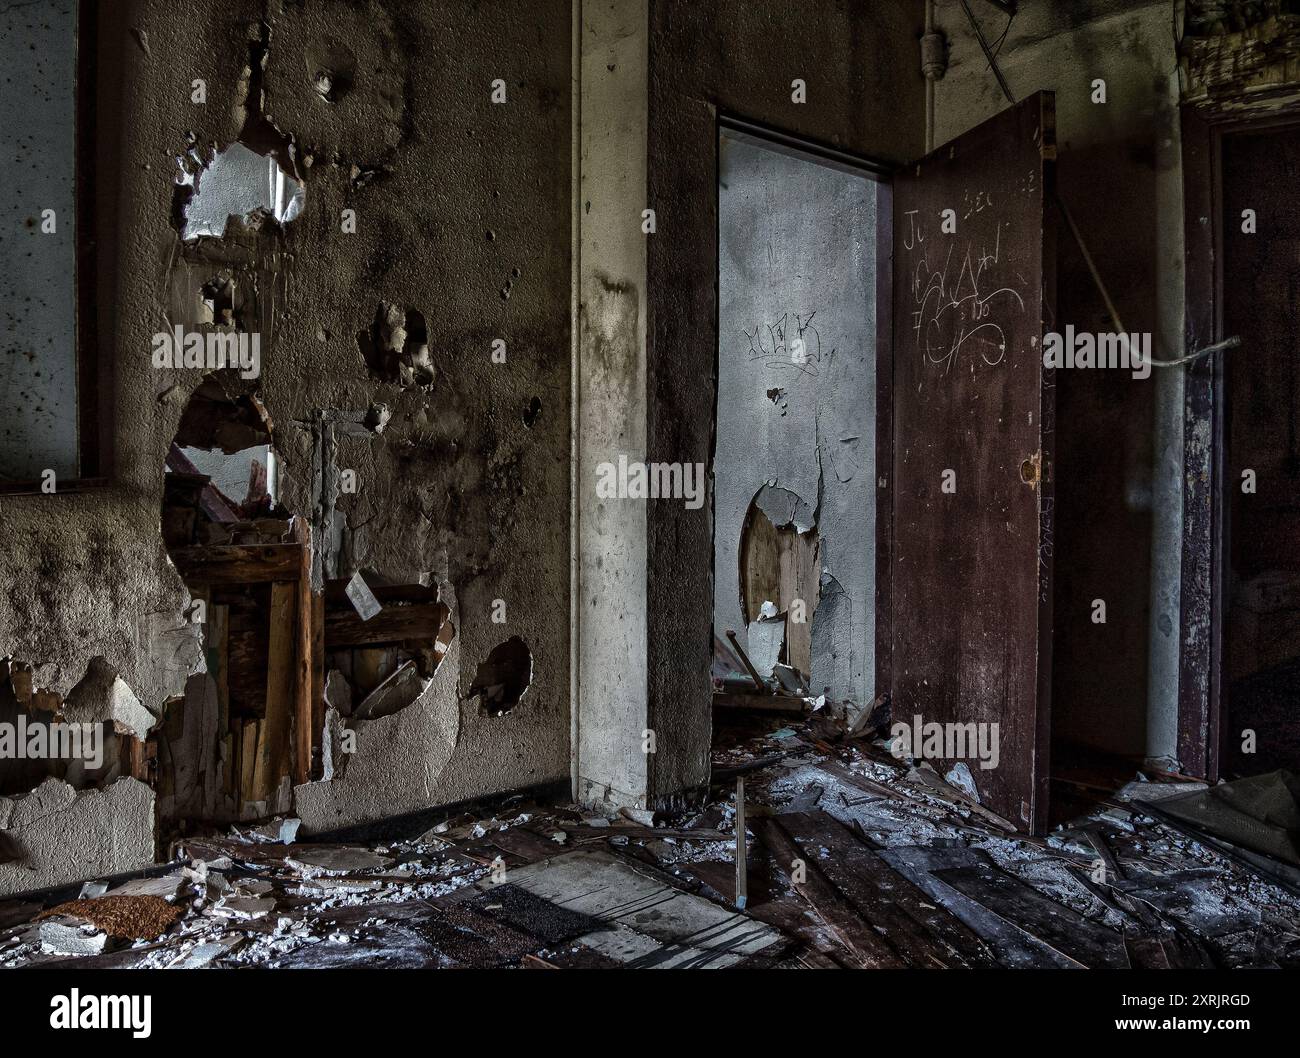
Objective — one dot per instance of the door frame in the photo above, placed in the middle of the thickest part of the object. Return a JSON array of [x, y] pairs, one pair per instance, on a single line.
[[1204, 571], [881, 171]]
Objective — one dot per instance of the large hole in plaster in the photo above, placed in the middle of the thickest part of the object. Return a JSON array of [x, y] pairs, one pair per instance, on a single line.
[[221, 471], [225, 749], [368, 682], [503, 677], [779, 557], [253, 180], [81, 739], [235, 182]]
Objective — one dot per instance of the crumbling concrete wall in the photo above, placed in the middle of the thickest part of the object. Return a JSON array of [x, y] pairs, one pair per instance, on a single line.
[[56, 834], [861, 66], [796, 388], [461, 210], [1119, 440]]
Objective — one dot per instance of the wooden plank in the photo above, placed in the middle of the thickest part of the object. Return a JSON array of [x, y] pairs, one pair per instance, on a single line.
[[216, 648], [925, 935], [974, 416], [526, 844], [860, 782], [307, 660], [840, 917], [318, 680], [780, 566], [248, 740], [1052, 923], [393, 624], [1097, 839], [764, 703], [933, 782], [742, 865], [238, 563], [274, 749]]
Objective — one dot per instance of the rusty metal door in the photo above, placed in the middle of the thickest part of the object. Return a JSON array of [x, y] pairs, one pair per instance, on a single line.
[[974, 253]]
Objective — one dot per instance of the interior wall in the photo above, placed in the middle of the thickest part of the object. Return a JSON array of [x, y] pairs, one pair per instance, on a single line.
[[860, 63], [796, 421], [1119, 439], [462, 212]]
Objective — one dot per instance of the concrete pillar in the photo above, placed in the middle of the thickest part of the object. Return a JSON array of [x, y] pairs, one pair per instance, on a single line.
[[610, 709]]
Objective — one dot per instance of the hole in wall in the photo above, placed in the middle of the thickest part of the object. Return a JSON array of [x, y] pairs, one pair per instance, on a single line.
[[396, 346], [222, 471], [235, 182], [226, 746], [332, 69], [779, 565], [503, 677], [82, 740], [532, 413]]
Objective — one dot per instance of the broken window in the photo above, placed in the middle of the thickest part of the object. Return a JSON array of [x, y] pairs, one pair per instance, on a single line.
[[52, 410]]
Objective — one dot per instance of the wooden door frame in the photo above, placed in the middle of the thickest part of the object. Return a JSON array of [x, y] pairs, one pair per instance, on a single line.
[[881, 171], [1203, 576]]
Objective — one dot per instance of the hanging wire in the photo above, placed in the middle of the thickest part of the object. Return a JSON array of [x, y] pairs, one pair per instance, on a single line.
[[1204, 351]]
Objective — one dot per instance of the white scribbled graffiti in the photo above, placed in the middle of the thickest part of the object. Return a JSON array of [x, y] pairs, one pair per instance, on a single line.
[[959, 313]]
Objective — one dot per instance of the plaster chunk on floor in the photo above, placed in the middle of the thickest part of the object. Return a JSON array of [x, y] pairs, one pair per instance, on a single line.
[[63, 835]]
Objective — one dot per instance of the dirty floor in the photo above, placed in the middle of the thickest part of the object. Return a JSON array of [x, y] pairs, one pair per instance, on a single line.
[[854, 860]]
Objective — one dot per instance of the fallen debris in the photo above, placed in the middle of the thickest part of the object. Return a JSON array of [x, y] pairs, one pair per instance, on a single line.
[[135, 917]]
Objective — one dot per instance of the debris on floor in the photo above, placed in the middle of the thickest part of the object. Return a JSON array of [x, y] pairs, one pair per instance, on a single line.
[[852, 859]]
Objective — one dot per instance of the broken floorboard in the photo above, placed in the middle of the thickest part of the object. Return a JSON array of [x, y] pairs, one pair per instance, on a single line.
[[923, 935], [1084, 942], [864, 944]]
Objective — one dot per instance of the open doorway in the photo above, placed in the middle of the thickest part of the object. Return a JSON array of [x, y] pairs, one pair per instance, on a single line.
[[1261, 481], [1239, 657], [795, 466]]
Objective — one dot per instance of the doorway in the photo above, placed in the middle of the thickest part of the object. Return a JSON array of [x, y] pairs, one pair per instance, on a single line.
[[795, 512], [1261, 481]]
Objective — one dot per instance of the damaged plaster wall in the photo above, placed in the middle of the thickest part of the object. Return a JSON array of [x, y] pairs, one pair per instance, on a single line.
[[56, 834], [462, 211], [796, 389], [400, 759], [1119, 440]]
